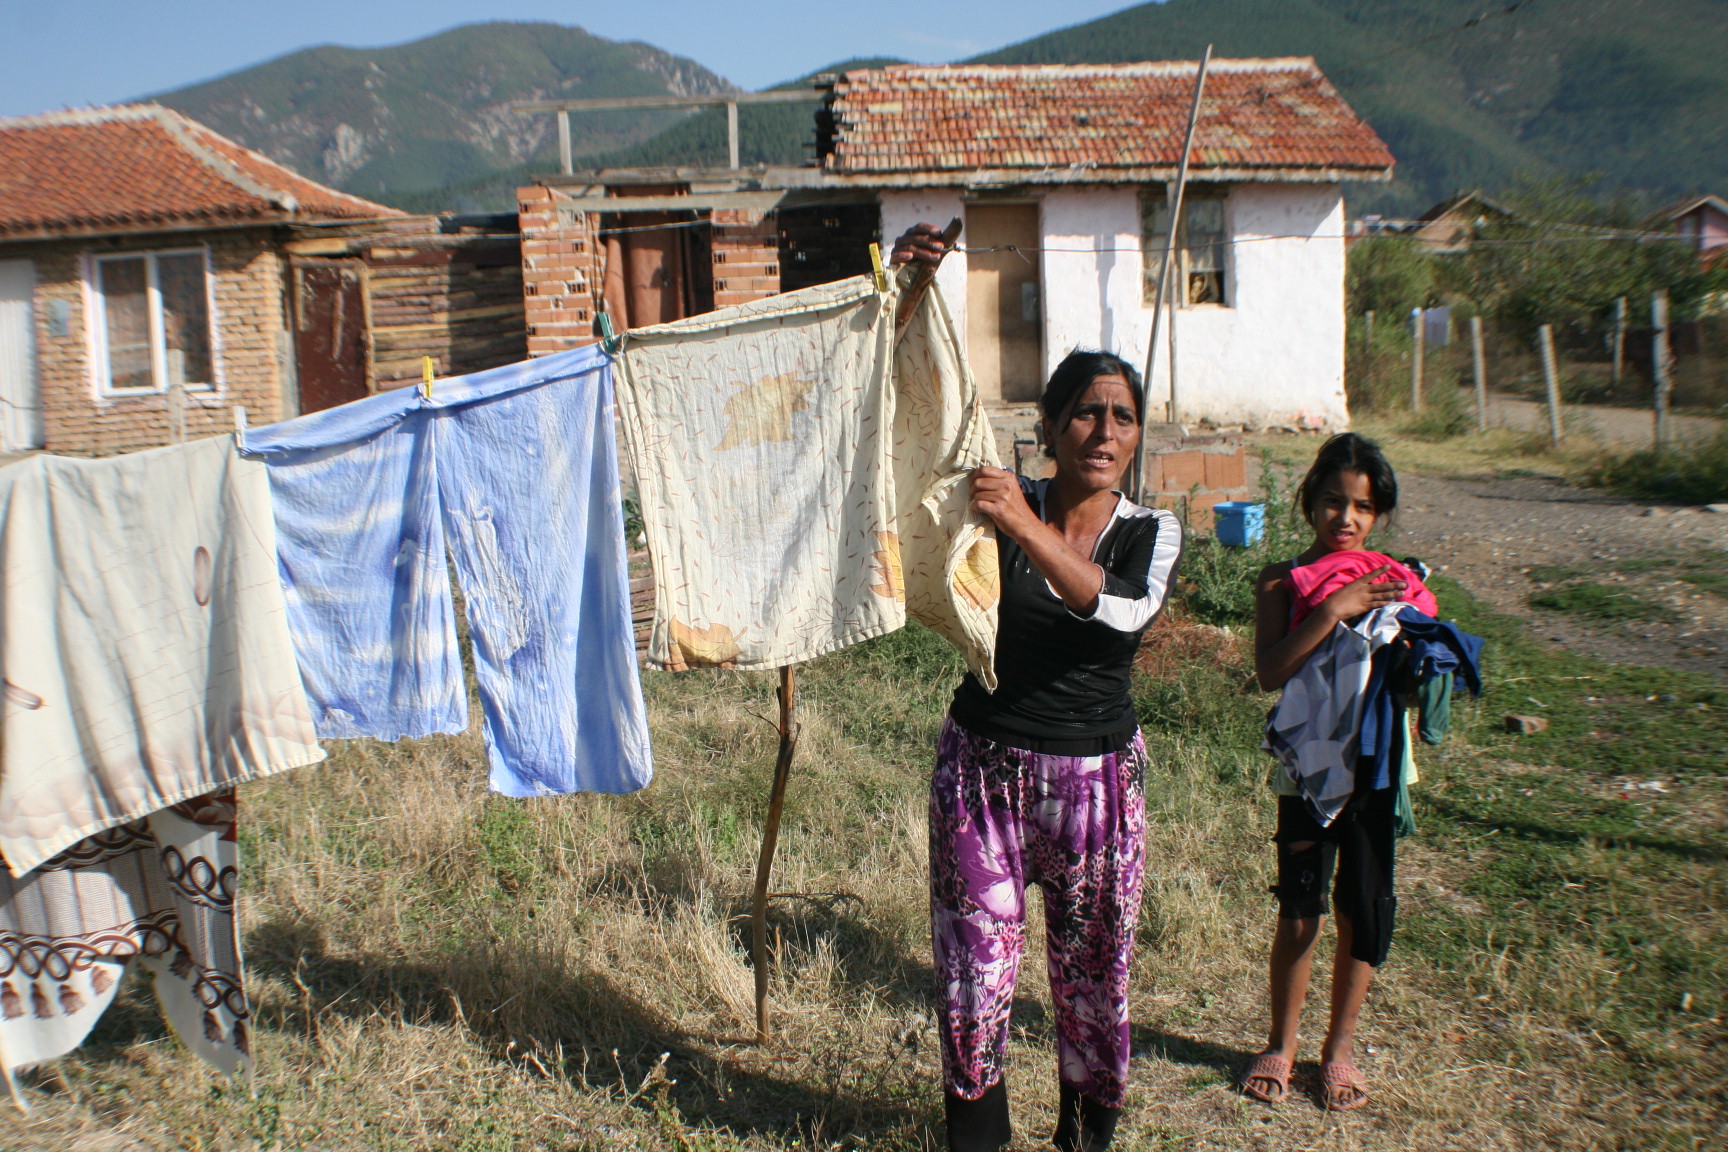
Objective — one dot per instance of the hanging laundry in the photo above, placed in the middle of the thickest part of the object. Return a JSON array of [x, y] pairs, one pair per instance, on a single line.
[[804, 479], [512, 473], [143, 641], [160, 890]]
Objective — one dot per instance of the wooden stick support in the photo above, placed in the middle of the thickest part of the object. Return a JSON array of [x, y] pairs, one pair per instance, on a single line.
[[1551, 376], [1479, 368], [1418, 353], [1662, 364], [770, 840], [923, 275]]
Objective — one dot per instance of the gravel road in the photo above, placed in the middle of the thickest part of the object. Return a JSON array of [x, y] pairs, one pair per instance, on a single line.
[[1487, 533]]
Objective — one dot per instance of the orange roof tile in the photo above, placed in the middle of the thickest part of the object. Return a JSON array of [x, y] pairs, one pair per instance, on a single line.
[[1257, 114], [142, 166]]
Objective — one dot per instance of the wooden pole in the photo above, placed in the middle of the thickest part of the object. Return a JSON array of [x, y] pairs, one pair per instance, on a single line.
[[1479, 365], [1418, 338], [566, 161], [1619, 341], [1551, 373], [1662, 356], [732, 134], [770, 840], [1170, 411]]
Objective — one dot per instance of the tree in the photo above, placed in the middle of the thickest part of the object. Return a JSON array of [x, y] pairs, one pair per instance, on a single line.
[[1389, 275]]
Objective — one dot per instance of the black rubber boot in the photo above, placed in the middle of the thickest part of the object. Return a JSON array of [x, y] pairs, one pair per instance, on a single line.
[[979, 1125], [1082, 1124]]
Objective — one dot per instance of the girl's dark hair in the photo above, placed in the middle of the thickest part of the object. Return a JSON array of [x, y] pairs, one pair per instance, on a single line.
[[1348, 452], [1076, 373]]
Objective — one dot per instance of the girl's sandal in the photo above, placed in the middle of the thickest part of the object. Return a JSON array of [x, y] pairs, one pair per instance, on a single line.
[[1268, 1067], [1342, 1087]]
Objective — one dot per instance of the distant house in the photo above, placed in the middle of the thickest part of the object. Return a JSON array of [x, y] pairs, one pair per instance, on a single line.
[[1452, 224], [1702, 222], [1062, 176], [154, 275]]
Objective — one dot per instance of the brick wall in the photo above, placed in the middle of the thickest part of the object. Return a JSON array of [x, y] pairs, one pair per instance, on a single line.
[[249, 341], [746, 256], [560, 272]]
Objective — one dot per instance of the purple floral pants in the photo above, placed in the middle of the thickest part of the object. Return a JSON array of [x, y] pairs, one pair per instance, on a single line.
[[1002, 818]]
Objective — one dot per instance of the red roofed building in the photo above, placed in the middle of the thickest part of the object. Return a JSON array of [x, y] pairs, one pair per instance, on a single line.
[[155, 275], [1064, 172], [1062, 175]]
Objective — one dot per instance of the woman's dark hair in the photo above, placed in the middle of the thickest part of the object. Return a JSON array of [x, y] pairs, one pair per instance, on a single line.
[[1348, 452], [1075, 374]]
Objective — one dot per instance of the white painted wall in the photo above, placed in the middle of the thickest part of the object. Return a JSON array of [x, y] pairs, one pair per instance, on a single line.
[[903, 208], [1273, 356]]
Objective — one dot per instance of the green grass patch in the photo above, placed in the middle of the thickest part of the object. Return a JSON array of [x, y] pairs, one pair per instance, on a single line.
[[1595, 601]]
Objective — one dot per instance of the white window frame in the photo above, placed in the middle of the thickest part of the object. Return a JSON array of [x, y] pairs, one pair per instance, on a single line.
[[101, 375]]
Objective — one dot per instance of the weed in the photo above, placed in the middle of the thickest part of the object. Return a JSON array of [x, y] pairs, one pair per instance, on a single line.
[[1595, 601]]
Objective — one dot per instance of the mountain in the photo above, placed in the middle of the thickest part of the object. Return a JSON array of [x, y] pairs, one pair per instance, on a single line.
[[400, 124], [1626, 96]]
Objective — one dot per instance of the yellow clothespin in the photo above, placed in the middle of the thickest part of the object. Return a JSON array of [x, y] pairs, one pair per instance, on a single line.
[[876, 263], [426, 377]]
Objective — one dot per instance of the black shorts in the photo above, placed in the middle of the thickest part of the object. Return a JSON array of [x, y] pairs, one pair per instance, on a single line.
[[1358, 845]]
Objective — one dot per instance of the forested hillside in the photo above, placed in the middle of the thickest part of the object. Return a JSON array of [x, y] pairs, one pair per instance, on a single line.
[[1630, 94], [398, 123]]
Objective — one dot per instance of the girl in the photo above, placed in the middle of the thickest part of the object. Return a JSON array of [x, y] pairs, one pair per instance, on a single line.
[[1349, 490]]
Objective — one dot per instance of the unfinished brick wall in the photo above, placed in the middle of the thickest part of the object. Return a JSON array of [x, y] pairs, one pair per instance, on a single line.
[[560, 271], [249, 330], [746, 249]]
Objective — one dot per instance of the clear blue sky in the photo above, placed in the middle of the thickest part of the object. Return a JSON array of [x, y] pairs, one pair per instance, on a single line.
[[54, 55]]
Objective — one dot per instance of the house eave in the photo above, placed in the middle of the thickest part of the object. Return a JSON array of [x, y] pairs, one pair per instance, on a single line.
[[107, 229]]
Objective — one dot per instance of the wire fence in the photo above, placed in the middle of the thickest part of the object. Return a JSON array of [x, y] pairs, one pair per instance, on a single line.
[[1434, 361]]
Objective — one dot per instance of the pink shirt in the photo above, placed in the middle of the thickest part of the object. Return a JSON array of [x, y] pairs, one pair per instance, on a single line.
[[1312, 583]]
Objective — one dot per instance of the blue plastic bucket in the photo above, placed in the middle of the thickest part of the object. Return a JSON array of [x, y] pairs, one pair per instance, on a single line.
[[1239, 523]]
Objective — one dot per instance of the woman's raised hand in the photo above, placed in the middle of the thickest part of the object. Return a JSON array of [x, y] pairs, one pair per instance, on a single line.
[[1363, 594], [921, 243], [996, 492]]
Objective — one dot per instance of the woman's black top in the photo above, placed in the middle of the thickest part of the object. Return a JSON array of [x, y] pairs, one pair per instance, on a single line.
[[1062, 679]]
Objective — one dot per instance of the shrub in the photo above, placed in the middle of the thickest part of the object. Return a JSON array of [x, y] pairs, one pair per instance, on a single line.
[[1692, 473]]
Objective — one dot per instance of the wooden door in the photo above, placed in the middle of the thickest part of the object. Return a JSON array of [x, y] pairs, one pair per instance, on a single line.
[[20, 403], [1004, 312], [331, 343]]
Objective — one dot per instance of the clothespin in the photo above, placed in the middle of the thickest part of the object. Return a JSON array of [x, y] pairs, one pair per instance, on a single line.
[[426, 377], [876, 264], [608, 339], [240, 425]]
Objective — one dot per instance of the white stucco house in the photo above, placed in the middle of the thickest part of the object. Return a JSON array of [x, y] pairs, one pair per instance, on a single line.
[[1063, 175]]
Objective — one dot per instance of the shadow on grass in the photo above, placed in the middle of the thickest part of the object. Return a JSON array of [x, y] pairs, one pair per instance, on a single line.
[[1530, 830], [1178, 1049], [607, 1039]]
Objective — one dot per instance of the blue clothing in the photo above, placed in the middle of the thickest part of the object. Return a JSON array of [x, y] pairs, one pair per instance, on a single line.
[[512, 474], [1437, 648]]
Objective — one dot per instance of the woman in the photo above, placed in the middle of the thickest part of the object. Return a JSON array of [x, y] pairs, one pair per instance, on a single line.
[[1041, 781]]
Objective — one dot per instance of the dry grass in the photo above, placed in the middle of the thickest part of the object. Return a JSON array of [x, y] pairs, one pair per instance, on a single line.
[[433, 967]]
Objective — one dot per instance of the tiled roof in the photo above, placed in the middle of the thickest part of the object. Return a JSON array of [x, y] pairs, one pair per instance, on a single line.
[[144, 167], [1257, 114]]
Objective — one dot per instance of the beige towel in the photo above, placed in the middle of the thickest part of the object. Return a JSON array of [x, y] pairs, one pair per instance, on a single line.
[[803, 480], [143, 641]]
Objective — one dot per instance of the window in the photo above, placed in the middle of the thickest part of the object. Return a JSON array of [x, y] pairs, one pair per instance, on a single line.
[[152, 322], [1200, 253]]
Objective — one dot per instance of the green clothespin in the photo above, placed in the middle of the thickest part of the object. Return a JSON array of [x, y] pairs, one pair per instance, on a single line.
[[609, 341]]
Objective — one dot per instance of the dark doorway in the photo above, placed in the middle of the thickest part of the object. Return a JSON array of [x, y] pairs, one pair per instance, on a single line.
[[822, 243]]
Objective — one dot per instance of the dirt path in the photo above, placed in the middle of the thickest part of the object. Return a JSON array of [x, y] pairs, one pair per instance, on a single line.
[[1619, 427], [1488, 533]]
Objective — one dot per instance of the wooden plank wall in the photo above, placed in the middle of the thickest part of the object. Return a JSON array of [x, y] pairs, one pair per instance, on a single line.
[[456, 298]]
